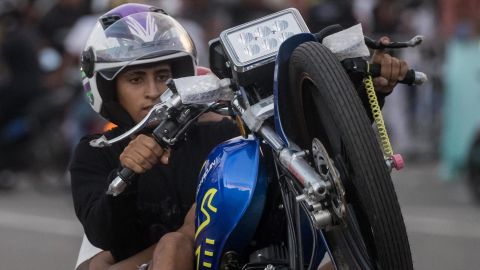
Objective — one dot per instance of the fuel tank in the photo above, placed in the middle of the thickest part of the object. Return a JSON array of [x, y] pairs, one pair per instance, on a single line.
[[230, 199]]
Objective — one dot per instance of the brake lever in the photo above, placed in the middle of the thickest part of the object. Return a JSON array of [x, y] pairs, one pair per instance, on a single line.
[[376, 44], [154, 117]]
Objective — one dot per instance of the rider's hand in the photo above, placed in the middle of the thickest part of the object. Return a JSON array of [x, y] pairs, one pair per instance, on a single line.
[[142, 153], [392, 69]]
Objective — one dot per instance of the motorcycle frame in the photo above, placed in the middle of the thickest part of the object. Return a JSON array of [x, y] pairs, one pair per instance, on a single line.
[[220, 231]]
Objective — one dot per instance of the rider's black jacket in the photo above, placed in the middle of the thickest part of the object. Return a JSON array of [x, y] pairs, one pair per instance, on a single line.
[[154, 204]]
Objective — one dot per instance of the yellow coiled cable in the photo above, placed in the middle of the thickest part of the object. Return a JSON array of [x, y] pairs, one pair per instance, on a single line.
[[378, 117]]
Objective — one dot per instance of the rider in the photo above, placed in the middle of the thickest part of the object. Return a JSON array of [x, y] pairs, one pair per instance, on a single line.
[[130, 54]]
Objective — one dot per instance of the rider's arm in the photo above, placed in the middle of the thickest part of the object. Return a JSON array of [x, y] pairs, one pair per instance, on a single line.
[[188, 227], [104, 260], [109, 222], [176, 249]]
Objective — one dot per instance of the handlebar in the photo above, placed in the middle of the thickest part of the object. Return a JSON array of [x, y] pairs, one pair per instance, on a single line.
[[411, 78], [376, 44], [118, 185], [168, 134], [362, 68]]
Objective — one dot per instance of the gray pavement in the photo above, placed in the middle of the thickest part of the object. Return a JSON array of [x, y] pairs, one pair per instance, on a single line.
[[442, 219], [38, 228]]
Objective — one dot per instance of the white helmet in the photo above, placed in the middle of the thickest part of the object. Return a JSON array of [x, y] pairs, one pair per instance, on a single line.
[[131, 34]]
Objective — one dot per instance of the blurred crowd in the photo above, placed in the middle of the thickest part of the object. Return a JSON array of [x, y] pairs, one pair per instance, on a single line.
[[42, 102]]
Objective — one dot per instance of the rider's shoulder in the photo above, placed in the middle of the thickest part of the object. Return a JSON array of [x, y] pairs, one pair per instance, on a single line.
[[109, 134]]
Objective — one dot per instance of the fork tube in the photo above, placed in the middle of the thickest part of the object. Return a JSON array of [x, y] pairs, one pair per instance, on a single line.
[[272, 138], [294, 161]]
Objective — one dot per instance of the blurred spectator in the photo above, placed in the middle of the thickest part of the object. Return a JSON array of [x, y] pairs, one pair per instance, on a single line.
[[19, 57], [247, 10], [363, 10], [56, 23], [192, 21], [412, 112], [459, 18], [327, 12], [31, 47], [23, 85], [461, 115], [419, 18], [386, 14]]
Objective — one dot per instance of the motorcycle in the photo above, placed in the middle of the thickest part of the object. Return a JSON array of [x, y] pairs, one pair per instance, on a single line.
[[306, 185]]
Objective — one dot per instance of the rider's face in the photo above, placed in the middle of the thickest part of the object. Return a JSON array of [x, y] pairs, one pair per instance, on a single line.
[[139, 88]]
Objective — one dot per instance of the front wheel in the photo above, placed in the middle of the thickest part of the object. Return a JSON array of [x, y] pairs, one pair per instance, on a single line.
[[323, 104]]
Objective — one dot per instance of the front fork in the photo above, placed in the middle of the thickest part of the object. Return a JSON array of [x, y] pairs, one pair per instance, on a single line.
[[316, 187]]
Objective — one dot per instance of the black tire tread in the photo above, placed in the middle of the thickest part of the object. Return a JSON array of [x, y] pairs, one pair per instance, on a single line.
[[373, 182]]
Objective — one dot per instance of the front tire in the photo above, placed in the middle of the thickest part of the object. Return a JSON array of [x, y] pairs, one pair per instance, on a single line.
[[322, 103]]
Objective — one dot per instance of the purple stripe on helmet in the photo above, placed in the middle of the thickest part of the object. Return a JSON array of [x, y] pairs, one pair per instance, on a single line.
[[128, 9]]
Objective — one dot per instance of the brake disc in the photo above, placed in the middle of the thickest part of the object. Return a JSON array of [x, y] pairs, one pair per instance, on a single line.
[[325, 167]]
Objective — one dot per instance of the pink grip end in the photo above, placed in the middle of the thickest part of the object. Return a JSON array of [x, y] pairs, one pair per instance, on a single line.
[[398, 162]]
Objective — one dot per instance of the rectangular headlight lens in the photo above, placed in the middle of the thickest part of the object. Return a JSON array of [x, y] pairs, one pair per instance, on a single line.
[[259, 40]]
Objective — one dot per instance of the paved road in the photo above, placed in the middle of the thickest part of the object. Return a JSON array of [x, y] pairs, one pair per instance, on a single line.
[[38, 230], [442, 219]]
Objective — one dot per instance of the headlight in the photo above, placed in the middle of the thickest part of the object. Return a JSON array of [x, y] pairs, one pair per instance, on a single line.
[[256, 43]]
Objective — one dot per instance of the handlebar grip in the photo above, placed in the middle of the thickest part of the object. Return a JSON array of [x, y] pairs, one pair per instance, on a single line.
[[411, 78], [120, 182]]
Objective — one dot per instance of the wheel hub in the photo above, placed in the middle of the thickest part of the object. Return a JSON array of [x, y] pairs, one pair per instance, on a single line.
[[325, 167]]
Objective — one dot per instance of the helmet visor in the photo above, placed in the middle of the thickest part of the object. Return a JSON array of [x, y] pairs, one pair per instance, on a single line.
[[137, 39]]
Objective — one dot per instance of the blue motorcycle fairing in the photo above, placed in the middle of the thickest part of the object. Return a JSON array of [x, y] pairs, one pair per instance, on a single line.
[[280, 82], [230, 200], [280, 90]]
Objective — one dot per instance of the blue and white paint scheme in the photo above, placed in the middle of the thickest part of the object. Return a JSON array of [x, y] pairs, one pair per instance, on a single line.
[[230, 200]]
